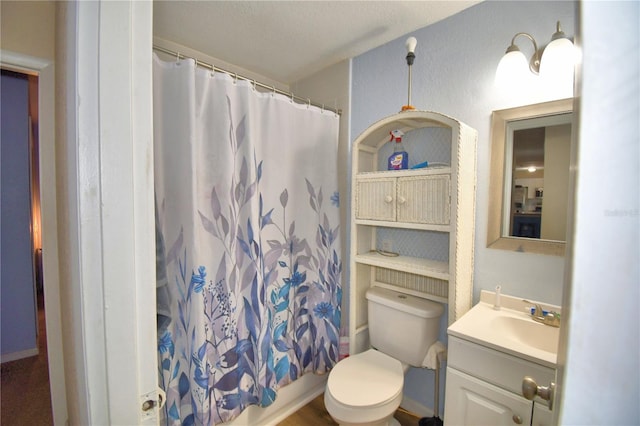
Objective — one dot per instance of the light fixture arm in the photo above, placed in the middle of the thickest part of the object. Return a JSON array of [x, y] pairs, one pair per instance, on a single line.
[[410, 57], [559, 33], [411, 47], [534, 62]]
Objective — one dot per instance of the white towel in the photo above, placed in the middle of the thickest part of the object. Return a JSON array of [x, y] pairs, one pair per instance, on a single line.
[[431, 360]]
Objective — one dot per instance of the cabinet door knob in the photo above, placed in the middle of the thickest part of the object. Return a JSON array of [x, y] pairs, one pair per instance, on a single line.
[[402, 200], [517, 419], [388, 199], [530, 389]]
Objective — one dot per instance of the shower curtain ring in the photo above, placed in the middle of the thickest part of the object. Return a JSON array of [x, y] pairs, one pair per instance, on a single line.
[[273, 90], [292, 101], [235, 78], [308, 103]]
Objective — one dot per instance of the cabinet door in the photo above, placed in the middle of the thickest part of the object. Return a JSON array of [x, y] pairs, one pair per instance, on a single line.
[[424, 199], [542, 416], [470, 401], [376, 199]]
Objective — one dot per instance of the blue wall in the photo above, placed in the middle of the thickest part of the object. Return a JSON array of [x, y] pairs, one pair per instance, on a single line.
[[17, 291], [454, 74]]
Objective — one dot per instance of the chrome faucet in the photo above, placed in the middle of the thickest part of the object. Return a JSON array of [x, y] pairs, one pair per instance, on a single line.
[[550, 318]]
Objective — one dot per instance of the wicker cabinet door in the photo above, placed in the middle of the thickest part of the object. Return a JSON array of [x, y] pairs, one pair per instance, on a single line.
[[376, 199], [424, 199]]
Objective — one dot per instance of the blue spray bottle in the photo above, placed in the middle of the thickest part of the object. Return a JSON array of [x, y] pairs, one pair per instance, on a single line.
[[399, 160]]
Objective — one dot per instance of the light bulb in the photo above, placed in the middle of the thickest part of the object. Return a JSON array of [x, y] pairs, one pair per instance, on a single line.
[[557, 64], [512, 68], [411, 44]]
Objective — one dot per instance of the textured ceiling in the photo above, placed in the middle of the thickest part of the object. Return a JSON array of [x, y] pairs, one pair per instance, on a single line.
[[290, 40]]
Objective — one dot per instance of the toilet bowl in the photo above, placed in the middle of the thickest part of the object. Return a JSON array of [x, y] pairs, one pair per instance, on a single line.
[[365, 390]]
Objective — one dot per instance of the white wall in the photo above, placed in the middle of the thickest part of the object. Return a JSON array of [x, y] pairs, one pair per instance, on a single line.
[[454, 74], [601, 380]]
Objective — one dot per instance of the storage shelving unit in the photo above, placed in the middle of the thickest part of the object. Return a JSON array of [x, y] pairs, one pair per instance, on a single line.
[[426, 215]]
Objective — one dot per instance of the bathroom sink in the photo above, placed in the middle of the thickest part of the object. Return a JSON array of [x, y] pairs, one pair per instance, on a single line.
[[509, 329], [528, 332]]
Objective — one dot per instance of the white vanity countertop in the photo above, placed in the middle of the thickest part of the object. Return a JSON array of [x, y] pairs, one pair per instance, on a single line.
[[509, 330]]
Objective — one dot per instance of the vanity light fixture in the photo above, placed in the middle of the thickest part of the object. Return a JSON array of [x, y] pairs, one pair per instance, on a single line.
[[555, 62]]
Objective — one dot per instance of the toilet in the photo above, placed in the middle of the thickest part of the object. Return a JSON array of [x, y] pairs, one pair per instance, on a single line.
[[366, 389]]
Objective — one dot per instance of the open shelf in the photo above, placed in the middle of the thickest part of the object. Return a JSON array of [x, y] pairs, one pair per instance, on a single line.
[[412, 265]]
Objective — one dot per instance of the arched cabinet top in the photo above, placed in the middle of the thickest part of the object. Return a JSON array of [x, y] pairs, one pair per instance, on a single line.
[[378, 133]]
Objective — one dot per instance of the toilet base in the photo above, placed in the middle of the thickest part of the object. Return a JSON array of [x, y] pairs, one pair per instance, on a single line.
[[386, 422]]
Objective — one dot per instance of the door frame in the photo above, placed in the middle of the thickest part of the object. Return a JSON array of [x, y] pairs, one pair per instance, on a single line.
[[109, 140]]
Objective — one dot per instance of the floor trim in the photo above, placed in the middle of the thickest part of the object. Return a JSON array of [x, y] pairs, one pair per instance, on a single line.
[[13, 356]]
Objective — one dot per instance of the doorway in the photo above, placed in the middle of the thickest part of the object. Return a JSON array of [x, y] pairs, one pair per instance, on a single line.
[[24, 345]]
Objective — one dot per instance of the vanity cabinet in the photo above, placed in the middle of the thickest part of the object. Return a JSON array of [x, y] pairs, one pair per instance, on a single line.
[[484, 387], [426, 217], [472, 401]]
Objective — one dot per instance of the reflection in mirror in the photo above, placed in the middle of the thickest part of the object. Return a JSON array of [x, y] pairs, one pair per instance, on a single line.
[[537, 157], [529, 188]]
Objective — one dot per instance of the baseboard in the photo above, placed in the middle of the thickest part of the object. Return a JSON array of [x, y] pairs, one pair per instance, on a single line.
[[413, 406], [13, 356], [288, 400], [294, 406]]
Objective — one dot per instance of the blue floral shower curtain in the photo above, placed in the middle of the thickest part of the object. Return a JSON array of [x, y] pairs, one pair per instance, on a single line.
[[248, 246]]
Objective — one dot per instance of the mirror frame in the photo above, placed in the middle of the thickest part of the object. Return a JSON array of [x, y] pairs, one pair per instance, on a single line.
[[499, 121]]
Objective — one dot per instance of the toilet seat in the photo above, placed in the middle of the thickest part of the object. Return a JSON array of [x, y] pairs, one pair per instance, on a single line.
[[366, 386], [367, 379]]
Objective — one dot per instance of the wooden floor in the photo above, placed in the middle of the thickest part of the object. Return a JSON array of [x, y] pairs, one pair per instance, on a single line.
[[314, 414]]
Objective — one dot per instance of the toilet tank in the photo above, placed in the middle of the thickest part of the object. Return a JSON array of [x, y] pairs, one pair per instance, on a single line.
[[402, 326]]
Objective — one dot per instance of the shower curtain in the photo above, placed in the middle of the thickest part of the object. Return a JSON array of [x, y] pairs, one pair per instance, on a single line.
[[248, 247]]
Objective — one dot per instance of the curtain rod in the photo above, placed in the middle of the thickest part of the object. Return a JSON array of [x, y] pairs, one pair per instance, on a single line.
[[200, 63]]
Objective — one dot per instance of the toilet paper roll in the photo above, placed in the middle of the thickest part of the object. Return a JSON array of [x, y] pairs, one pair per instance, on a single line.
[[431, 360]]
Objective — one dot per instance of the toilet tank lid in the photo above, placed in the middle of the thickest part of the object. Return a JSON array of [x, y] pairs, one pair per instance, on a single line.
[[405, 302]]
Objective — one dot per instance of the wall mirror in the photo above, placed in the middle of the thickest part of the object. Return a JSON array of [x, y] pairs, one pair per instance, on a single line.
[[529, 187]]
